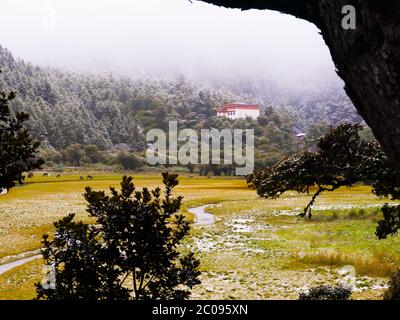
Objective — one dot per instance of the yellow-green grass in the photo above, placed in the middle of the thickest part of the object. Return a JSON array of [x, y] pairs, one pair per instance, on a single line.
[[292, 253], [376, 265], [18, 283], [28, 211], [337, 229]]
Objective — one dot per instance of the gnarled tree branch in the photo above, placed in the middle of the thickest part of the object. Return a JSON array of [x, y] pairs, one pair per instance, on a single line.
[[297, 8]]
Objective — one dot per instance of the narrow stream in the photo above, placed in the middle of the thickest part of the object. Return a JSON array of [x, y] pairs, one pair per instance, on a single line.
[[203, 218]]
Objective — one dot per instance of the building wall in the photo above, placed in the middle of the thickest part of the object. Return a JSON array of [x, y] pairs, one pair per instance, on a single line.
[[241, 114]]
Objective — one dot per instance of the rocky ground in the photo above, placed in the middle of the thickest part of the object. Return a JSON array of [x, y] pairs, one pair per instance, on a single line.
[[245, 256]]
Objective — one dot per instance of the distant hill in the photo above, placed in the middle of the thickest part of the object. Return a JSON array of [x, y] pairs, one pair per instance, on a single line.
[[68, 108]]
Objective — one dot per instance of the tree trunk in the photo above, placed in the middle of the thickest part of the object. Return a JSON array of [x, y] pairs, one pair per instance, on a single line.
[[367, 58]]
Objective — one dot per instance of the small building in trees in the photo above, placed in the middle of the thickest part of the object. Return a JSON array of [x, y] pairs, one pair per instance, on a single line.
[[239, 111], [300, 136]]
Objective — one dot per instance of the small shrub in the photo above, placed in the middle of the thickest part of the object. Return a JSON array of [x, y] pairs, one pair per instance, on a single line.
[[58, 168], [376, 211], [325, 292], [362, 212], [393, 292], [335, 215], [353, 213], [50, 164], [128, 160]]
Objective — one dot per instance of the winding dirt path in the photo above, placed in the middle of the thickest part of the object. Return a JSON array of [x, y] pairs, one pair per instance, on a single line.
[[11, 265]]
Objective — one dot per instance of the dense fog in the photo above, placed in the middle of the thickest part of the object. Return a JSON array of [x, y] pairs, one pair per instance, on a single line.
[[166, 37]]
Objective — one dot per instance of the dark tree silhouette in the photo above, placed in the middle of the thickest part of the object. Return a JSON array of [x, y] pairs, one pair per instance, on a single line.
[[132, 251], [342, 159], [17, 148], [367, 58], [390, 223], [393, 290], [324, 292]]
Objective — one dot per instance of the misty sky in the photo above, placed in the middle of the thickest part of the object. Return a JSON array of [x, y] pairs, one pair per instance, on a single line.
[[152, 36]]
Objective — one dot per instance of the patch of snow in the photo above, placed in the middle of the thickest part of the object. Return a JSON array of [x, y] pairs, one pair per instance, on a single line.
[[348, 270]]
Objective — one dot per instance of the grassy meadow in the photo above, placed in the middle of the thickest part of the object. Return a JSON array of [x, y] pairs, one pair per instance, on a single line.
[[258, 248]]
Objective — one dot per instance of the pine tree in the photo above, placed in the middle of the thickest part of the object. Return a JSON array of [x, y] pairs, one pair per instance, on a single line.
[[17, 148]]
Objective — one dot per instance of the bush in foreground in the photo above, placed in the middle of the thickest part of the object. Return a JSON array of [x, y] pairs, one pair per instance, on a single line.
[[131, 251], [325, 292], [393, 291]]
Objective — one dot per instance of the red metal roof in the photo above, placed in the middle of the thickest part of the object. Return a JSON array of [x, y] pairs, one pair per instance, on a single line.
[[238, 106]]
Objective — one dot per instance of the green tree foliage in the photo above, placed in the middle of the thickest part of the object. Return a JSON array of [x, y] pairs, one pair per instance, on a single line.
[[330, 105], [17, 147], [128, 160], [342, 159], [68, 108], [50, 155], [273, 139], [314, 133], [393, 291], [92, 152], [390, 223], [132, 251], [73, 154]]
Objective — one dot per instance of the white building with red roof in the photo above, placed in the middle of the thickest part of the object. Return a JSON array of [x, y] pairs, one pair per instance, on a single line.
[[239, 111]]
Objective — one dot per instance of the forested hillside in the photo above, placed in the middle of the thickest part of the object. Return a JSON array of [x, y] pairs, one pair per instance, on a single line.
[[70, 111], [306, 103]]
